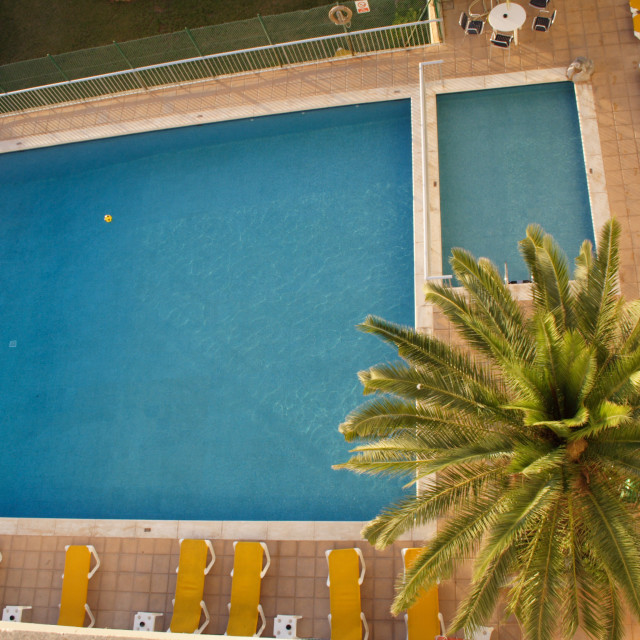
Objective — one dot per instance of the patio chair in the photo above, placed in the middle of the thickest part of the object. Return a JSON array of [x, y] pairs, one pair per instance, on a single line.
[[474, 27], [188, 603], [423, 618], [539, 4], [75, 585], [474, 14], [344, 583], [247, 574], [502, 41], [543, 23]]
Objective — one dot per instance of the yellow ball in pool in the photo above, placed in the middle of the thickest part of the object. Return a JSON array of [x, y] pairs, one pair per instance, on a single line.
[[108, 218]]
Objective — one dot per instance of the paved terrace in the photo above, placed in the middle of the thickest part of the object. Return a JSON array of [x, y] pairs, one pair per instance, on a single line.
[[138, 565]]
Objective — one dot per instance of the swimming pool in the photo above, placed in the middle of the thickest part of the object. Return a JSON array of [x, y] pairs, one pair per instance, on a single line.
[[193, 358], [510, 157]]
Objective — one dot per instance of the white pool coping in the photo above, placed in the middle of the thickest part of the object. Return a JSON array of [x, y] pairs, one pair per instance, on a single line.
[[201, 529]]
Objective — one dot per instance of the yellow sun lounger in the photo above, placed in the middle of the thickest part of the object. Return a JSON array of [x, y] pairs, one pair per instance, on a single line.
[[344, 583], [247, 574], [188, 603], [423, 618], [75, 585]]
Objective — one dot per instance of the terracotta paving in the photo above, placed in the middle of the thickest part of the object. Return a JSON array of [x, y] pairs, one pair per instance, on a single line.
[[138, 574]]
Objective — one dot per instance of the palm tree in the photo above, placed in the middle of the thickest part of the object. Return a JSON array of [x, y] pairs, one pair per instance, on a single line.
[[526, 436]]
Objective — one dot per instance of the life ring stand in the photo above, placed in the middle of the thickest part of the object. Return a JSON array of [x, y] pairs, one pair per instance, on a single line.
[[340, 15]]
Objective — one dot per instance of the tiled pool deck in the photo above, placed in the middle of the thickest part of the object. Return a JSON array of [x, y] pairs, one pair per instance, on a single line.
[[139, 558]]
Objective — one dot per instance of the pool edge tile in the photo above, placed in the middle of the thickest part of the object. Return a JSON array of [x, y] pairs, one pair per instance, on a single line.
[[156, 529], [36, 526], [290, 530], [71, 527], [200, 529], [115, 528], [8, 526], [243, 529]]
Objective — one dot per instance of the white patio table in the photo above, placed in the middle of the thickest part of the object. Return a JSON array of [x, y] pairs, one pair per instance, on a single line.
[[508, 17]]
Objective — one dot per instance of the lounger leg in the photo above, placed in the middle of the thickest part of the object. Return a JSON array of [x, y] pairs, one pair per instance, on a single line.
[[264, 622], [366, 626], [442, 627], [91, 617], [206, 618], [228, 609], [92, 550], [213, 556]]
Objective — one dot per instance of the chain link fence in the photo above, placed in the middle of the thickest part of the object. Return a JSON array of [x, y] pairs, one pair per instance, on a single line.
[[236, 47]]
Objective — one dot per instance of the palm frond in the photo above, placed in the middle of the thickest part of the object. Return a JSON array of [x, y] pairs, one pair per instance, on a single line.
[[492, 300], [522, 506], [548, 358], [618, 374], [626, 461], [477, 607], [545, 463], [583, 265], [597, 302], [550, 269], [579, 371], [383, 416], [453, 488], [630, 327], [542, 582], [605, 416], [627, 434], [611, 535], [463, 316], [448, 392], [458, 538], [424, 351], [572, 596], [612, 613]]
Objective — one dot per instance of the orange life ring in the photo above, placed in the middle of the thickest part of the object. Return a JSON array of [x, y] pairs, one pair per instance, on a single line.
[[340, 15]]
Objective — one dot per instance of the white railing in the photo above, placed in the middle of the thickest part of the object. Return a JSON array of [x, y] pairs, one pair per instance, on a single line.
[[300, 52]]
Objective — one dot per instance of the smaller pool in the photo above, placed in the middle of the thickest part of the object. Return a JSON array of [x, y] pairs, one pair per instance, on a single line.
[[508, 158]]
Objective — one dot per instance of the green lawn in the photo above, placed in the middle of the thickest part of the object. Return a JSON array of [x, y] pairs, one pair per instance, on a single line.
[[34, 28]]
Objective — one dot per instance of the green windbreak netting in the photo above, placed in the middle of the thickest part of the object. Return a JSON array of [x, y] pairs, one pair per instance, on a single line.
[[92, 62], [158, 49], [239, 36], [233, 36], [29, 73]]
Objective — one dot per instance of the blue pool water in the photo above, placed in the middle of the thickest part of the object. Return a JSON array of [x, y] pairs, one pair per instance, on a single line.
[[193, 358], [508, 158]]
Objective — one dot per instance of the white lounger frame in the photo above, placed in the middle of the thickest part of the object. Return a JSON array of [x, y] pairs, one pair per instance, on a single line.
[[203, 606], [258, 633], [360, 581], [93, 552], [403, 551]]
